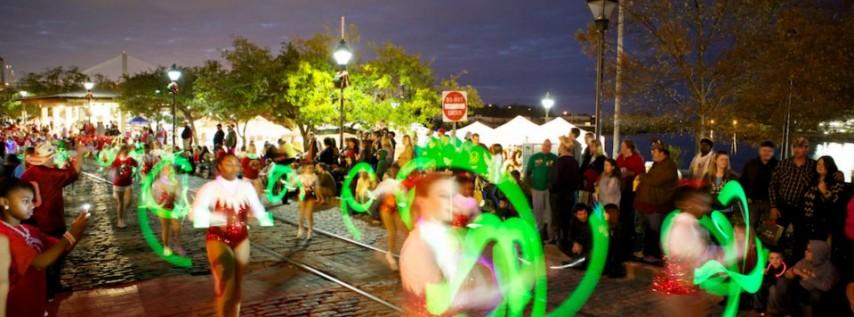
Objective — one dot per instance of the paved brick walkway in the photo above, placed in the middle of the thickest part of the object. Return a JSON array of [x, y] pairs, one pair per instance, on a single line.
[[114, 272]]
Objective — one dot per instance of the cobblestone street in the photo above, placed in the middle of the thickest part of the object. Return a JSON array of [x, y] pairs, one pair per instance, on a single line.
[[114, 272]]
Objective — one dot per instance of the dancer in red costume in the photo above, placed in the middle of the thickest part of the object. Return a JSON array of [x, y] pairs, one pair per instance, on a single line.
[[223, 206]]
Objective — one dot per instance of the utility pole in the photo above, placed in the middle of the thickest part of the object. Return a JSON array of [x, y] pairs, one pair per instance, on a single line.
[[615, 147]]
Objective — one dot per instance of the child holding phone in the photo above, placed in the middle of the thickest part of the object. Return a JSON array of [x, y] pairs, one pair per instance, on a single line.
[[31, 250]]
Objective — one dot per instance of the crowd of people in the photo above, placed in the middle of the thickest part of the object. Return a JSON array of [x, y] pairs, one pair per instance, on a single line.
[[800, 208]]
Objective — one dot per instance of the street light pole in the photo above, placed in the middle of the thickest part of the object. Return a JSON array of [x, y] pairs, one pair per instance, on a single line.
[[174, 75], [599, 74], [341, 118], [89, 85], [548, 102], [601, 10], [342, 56]]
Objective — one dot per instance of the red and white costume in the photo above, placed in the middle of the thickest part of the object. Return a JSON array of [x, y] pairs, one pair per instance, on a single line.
[[222, 206]]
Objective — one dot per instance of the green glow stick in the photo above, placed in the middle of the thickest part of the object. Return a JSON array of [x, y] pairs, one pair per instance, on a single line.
[[180, 209], [714, 276]]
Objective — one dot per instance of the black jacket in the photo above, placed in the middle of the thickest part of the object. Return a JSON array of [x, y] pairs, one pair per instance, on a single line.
[[756, 178], [186, 133], [564, 176], [218, 137], [580, 232]]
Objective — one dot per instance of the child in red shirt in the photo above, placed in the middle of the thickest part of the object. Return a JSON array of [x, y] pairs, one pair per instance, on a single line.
[[251, 166], [122, 174], [31, 250]]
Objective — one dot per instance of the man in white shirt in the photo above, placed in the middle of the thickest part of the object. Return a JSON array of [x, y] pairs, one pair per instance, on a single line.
[[700, 163]]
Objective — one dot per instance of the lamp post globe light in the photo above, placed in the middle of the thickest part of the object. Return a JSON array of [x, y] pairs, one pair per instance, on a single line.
[[174, 74], [548, 102], [89, 86], [342, 56], [601, 10]]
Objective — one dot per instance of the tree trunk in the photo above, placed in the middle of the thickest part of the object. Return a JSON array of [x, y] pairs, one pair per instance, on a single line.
[[188, 116], [303, 130], [243, 135]]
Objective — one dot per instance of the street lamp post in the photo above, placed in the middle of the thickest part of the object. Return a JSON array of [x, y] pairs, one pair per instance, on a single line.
[[548, 102], [712, 129], [174, 75], [601, 10], [24, 95], [342, 56], [89, 85], [734, 139]]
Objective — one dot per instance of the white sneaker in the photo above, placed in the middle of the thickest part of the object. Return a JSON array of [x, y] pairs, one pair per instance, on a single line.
[[299, 233], [167, 251]]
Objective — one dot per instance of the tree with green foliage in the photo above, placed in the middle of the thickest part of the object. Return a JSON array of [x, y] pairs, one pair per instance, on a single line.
[[242, 92], [396, 89], [147, 94], [53, 81]]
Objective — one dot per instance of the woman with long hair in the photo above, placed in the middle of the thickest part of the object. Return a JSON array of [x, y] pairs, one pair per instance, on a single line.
[[608, 185], [223, 206], [408, 152], [590, 173], [822, 204], [718, 174]]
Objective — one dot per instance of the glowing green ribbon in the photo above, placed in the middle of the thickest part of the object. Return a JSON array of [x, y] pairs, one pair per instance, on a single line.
[[517, 249], [106, 157], [180, 209], [713, 276], [349, 200], [276, 173]]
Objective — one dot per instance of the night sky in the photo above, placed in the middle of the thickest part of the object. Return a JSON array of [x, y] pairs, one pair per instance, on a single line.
[[514, 51]]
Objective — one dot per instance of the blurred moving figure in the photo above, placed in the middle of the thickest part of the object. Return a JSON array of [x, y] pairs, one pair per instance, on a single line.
[[433, 250]]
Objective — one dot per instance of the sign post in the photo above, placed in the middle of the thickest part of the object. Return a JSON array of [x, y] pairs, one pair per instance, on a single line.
[[454, 107]]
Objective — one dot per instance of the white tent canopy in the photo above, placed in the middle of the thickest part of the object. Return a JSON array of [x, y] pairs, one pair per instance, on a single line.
[[487, 134], [518, 131], [558, 127]]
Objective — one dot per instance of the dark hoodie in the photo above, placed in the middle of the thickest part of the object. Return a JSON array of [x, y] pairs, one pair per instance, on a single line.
[[825, 273]]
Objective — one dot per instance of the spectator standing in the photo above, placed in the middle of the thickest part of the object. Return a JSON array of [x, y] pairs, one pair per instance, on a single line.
[[187, 136], [608, 186], [631, 165], [49, 212], [789, 183], [564, 179], [755, 179], [537, 175], [716, 177], [822, 201], [408, 152], [576, 146], [655, 198], [231, 139], [701, 162], [218, 138]]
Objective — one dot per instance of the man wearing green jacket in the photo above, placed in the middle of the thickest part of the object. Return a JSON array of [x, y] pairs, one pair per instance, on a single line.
[[537, 175]]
